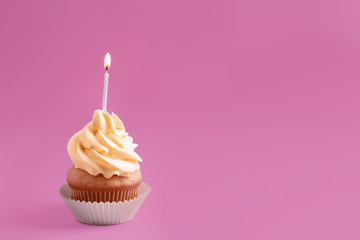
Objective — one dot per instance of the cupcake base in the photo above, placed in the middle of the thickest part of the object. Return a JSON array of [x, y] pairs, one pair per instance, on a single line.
[[104, 213], [103, 196], [86, 187]]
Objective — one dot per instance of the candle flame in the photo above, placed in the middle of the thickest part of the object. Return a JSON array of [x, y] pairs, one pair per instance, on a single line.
[[107, 61]]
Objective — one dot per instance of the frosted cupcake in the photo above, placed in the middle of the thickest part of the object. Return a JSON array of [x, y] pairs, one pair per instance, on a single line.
[[106, 166]]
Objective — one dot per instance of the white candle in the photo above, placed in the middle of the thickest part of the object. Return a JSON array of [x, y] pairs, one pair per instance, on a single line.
[[106, 80]]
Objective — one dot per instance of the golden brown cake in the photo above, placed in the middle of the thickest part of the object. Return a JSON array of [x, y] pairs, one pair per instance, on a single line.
[[106, 165], [86, 187]]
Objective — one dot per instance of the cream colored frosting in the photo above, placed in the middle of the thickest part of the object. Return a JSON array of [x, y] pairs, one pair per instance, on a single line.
[[104, 147]]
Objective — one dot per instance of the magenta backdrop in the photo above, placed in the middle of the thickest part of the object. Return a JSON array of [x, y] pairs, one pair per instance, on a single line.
[[246, 114]]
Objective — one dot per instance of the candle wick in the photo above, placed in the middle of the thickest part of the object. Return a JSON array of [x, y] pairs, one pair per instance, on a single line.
[[106, 68]]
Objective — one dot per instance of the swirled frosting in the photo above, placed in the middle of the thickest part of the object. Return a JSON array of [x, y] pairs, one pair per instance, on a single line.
[[104, 147]]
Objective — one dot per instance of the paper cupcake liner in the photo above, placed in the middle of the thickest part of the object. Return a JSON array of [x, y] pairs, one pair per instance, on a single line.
[[108, 213], [103, 196]]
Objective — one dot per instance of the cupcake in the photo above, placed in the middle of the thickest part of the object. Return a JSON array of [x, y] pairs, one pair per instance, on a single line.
[[106, 166]]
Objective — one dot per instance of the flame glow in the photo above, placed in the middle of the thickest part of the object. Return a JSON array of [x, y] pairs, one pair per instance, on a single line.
[[107, 61]]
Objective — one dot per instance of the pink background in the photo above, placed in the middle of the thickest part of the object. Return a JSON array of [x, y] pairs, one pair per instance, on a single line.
[[246, 114]]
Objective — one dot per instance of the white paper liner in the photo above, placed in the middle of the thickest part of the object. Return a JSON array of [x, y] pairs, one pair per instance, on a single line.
[[104, 213]]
